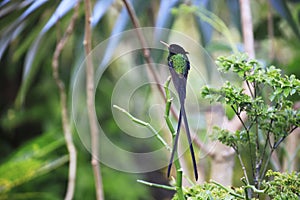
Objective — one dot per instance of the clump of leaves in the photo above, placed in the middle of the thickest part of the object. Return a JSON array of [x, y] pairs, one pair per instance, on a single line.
[[211, 191], [283, 185], [270, 116]]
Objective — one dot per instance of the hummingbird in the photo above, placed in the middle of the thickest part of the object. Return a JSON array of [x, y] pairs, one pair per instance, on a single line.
[[179, 66]]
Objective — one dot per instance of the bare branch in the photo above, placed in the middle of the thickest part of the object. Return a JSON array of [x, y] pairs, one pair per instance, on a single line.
[[146, 52], [64, 110], [90, 88]]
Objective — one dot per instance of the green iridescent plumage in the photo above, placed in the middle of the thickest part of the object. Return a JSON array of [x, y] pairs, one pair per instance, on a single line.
[[179, 63]]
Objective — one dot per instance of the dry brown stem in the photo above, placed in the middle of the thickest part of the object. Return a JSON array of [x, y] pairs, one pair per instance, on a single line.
[[64, 110], [90, 88]]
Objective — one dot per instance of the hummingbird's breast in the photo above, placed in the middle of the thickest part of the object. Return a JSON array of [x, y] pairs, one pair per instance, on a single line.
[[180, 63]]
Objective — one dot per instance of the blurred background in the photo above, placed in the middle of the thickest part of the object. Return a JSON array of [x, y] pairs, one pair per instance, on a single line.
[[34, 157]]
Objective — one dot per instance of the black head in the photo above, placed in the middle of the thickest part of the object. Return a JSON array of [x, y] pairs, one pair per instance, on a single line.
[[175, 49]]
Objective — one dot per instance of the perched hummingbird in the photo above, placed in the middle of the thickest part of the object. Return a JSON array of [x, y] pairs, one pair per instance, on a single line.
[[179, 67]]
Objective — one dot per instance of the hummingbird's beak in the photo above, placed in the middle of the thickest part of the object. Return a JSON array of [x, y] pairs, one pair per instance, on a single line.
[[166, 44]]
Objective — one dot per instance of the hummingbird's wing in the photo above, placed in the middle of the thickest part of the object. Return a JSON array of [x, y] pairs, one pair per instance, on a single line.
[[179, 82]]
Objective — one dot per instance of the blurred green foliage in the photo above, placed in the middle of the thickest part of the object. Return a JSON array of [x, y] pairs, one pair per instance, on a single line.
[[283, 185]]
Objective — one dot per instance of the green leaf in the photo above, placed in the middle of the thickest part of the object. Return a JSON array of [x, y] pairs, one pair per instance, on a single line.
[[30, 161], [286, 92]]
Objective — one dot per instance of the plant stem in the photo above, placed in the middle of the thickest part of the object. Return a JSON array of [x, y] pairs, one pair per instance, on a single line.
[[172, 130], [146, 124], [228, 190], [248, 136], [157, 185], [178, 187], [268, 139], [243, 166], [64, 110], [247, 29], [262, 175], [258, 158], [94, 131], [168, 106], [255, 189], [239, 117], [146, 52], [179, 181], [250, 88]]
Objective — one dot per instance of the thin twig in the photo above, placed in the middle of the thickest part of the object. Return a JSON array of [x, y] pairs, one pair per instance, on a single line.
[[64, 110], [262, 175], [248, 135], [268, 141], [146, 52], [156, 185], [230, 191], [146, 124], [177, 164], [250, 88], [90, 88], [241, 120], [273, 148], [243, 166]]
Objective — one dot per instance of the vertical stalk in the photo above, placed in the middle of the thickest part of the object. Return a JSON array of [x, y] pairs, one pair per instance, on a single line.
[[258, 158], [266, 163], [179, 181], [247, 27], [90, 88], [64, 109], [172, 130], [242, 164]]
